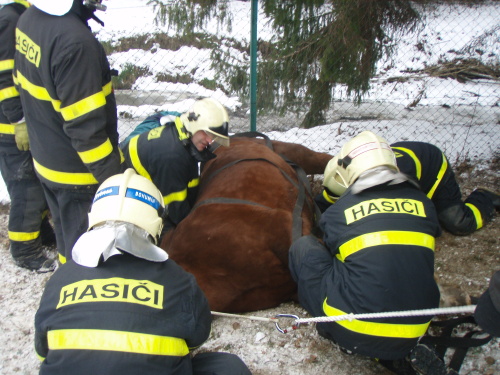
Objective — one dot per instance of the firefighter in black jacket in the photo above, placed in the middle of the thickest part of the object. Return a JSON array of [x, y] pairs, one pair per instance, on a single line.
[[64, 80], [169, 153], [428, 165], [120, 306], [29, 227], [377, 253]]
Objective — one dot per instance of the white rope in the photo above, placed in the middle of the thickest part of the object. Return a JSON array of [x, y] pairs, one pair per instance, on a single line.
[[425, 312], [244, 316], [391, 314]]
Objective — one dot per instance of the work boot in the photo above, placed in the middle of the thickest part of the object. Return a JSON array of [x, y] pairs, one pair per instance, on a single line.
[[47, 233], [495, 198], [40, 264], [426, 362], [399, 366]]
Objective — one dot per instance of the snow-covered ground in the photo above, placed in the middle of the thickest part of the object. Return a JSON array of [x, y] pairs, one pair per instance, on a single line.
[[301, 352]]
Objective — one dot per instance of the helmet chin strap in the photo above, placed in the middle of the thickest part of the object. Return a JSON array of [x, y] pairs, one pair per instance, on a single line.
[[94, 17], [94, 5]]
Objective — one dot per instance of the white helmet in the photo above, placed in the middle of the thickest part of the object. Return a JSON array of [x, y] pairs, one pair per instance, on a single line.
[[333, 181], [25, 2], [211, 117], [61, 7], [130, 198], [5, 2], [54, 7], [365, 151]]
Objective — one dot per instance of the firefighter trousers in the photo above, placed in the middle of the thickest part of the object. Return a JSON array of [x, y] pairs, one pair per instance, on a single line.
[[69, 208], [29, 226]]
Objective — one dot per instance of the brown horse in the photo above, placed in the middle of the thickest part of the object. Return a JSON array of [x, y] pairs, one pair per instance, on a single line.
[[250, 205]]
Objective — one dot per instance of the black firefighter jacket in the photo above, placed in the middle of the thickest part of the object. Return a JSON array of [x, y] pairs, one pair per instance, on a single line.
[[11, 110], [382, 240], [424, 162], [166, 156], [127, 316], [64, 79]]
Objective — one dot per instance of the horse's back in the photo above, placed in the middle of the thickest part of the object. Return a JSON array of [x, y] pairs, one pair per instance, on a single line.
[[236, 239]]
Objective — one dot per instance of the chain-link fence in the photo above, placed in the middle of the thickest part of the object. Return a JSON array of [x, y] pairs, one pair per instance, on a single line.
[[443, 77], [441, 85]]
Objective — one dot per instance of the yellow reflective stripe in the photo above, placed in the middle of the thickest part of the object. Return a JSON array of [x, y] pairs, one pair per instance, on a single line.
[[23, 236], [477, 215], [121, 341], [69, 112], [7, 128], [177, 196], [328, 198], [122, 157], [411, 154], [6, 65], [134, 158], [181, 130], [98, 153], [407, 331], [65, 177], [84, 106], [62, 259], [40, 358], [193, 183], [38, 92], [7, 93], [27, 4], [385, 238], [88, 104], [439, 178], [107, 88]]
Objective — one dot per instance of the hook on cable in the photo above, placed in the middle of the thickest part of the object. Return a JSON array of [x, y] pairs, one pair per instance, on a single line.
[[285, 330]]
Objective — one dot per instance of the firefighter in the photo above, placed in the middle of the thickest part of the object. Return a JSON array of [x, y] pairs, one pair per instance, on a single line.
[[64, 80], [428, 165], [120, 306], [29, 226], [168, 154], [377, 254]]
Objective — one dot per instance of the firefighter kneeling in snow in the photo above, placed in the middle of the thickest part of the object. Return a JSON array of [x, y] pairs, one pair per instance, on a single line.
[[428, 165], [121, 306], [377, 253]]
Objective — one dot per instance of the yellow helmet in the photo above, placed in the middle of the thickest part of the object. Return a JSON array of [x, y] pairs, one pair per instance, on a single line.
[[210, 116], [363, 152], [130, 198]]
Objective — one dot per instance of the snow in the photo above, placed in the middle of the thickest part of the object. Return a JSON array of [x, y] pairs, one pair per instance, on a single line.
[[449, 32], [258, 343]]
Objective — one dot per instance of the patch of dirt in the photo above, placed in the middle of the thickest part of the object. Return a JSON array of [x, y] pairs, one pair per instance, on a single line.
[[468, 262]]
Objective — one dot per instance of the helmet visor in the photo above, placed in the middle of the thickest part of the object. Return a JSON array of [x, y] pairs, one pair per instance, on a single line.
[[220, 134]]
